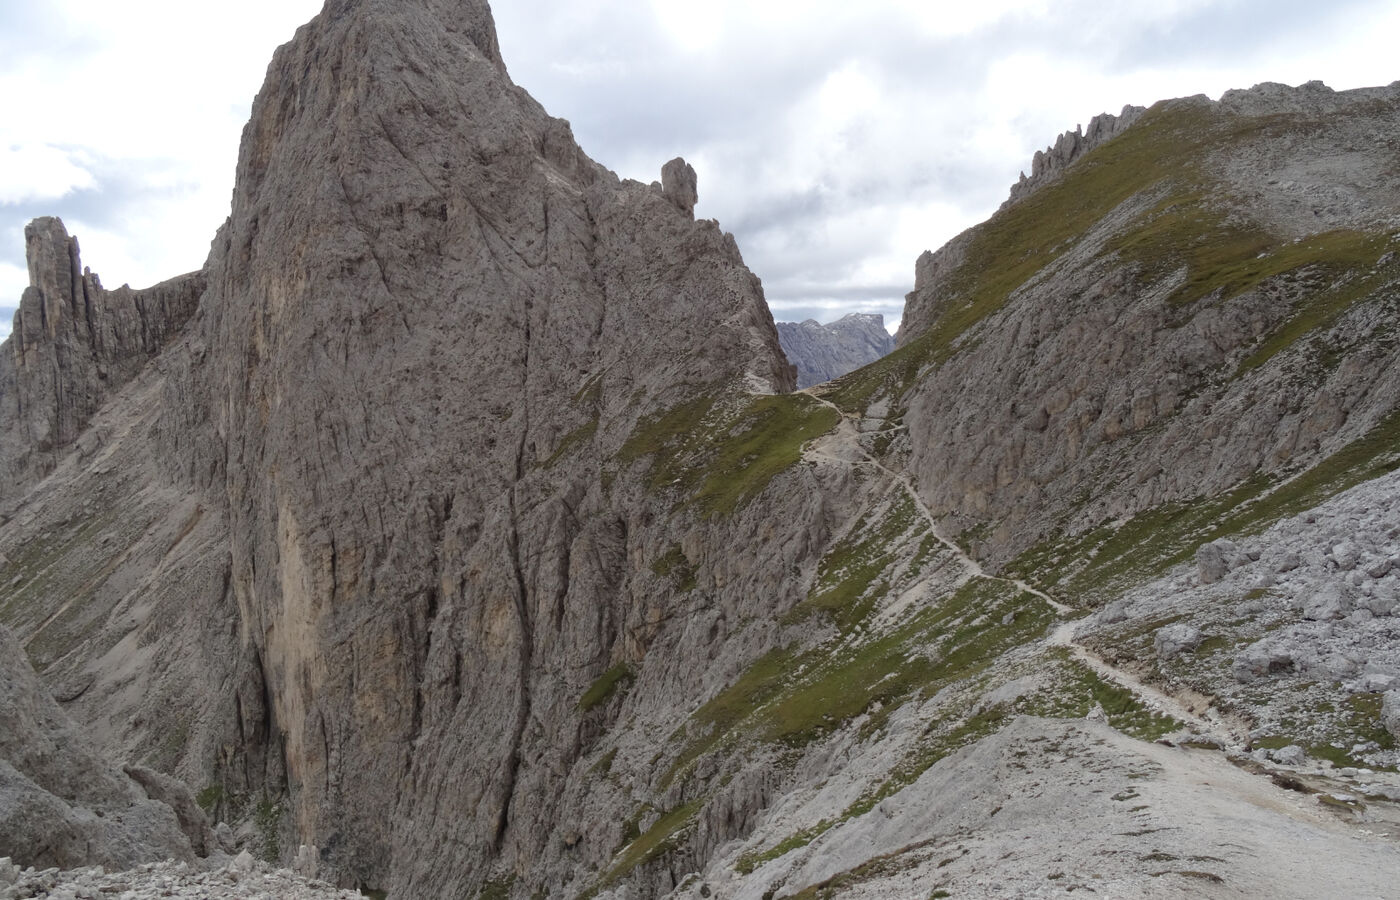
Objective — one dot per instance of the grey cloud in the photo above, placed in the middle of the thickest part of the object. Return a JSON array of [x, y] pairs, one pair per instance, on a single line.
[[734, 109], [1234, 31], [35, 30], [120, 188], [804, 292]]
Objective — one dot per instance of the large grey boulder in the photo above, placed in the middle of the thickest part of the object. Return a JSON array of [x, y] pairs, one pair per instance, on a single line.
[[1262, 659], [175, 794], [1331, 601], [1390, 712], [1171, 641], [1212, 561]]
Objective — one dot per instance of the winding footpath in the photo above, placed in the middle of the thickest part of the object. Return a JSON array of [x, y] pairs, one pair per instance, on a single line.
[[1209, 724]]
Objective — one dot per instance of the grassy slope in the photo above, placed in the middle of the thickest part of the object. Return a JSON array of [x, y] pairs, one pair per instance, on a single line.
[[717, 456], [798, 694], [1189, 229], [1165, 152]]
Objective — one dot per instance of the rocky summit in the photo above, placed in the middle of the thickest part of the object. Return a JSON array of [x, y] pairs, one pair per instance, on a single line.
[[823, 352], [458, 531]]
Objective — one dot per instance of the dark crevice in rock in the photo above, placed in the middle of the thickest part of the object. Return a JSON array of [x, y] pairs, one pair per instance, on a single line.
[[522, 716]]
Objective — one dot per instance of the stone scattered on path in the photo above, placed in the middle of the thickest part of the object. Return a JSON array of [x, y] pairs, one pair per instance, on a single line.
[[241, 879]]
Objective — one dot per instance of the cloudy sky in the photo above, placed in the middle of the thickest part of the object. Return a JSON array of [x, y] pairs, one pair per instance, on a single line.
[[837, 140]]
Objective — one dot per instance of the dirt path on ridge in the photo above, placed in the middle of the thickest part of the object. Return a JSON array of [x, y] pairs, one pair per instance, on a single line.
[[1209, 723]]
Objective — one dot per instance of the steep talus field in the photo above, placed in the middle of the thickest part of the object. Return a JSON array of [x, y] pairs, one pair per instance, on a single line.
[[459, 520]]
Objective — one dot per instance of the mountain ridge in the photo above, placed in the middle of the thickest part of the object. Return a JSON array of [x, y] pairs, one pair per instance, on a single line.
[[407, 548]]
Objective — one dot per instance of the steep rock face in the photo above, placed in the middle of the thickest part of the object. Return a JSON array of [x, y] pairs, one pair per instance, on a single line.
[[73, 345], [353, 549], [1188, 331], [419, 358], [61, 804], [823, 352]]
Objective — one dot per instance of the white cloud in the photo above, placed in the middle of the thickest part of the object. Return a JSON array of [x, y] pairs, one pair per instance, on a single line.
[[958, 19], [31, 172]]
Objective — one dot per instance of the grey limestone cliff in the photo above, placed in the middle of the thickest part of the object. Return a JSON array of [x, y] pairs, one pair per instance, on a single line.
[[823, 352], [388, 488], [1136, 363], [1047, 164], [73, 345]]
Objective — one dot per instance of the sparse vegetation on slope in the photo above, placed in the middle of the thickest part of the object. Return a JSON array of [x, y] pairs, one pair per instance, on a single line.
[[1192, 227], [1099, 564], [606, 686], [718, 456]]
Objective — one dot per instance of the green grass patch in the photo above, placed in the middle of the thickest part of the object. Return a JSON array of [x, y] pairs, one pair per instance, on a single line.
[[750, 861], [889, 669], [591, 394], [572, 441], [267, 819], [720, 457], [1079, 688], [1224, 256], [1362, 724], [1163, 151], [850, 569], [619, 677], [1365, 718], [885, 866], [942, 739], [1335, 254], [793, 698], [1271, 742], [759, 684], [661, 838], [1103, 562], [603, 766], [210, 798], [1188, 229], [675, 565], [496, 889]]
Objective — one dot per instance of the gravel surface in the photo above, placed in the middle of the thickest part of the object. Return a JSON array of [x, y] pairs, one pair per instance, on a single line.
[[240, 879]]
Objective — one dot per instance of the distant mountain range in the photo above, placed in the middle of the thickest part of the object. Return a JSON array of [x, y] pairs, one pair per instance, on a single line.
[[823, 352]]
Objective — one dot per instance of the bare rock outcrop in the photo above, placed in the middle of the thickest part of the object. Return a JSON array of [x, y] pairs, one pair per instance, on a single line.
[[823, 352], [72, 346], [1115, 369], [679, 184], [405, 406], [1047, 164], [467, 541]]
